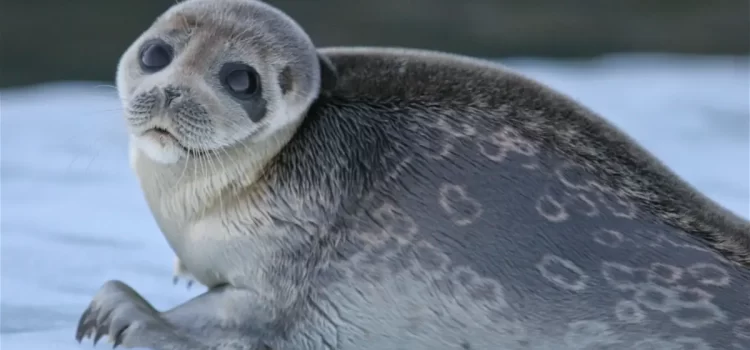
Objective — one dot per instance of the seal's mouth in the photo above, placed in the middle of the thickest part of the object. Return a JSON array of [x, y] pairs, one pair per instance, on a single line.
[[161, 132]]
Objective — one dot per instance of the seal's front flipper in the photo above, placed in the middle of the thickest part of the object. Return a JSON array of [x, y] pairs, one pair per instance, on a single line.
[[223, 317], [218, 319], [129, 321]]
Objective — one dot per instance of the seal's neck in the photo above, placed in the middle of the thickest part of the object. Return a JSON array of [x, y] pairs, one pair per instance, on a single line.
[[199, 185]]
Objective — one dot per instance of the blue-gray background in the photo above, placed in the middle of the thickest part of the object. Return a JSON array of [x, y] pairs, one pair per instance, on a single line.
[[673, 74]]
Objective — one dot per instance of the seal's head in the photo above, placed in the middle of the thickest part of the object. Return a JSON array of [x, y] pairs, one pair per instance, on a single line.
[[210, 75]]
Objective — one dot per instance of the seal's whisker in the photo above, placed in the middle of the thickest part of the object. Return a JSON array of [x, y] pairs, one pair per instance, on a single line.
[[206, 176], [195, 165], [106, 86], [184, 168], [91, 161], [211, 159], [234, 169], [79, 155]]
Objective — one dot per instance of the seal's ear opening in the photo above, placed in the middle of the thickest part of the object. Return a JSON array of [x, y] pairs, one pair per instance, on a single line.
[[328, 73]]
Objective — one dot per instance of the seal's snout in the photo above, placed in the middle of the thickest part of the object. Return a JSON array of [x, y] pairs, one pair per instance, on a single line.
[[170, 94], [173, 95]]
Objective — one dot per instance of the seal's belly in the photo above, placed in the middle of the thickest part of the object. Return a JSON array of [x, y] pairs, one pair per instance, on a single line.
[[380, 305], [408, 293]]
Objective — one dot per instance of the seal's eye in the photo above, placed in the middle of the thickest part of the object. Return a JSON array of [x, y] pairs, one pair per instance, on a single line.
[[240, 79], [155, 55]]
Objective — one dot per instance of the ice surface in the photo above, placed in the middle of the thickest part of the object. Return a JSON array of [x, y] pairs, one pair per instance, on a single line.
[[73, 216]]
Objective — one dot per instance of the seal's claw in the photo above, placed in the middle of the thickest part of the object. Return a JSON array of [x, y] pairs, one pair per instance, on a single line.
[[119, 312], [118, 329], [82, 327], [101, 330], [86, 324], [118, 341]]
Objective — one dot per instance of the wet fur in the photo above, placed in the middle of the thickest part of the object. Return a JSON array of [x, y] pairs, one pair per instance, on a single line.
[[286, 212], [373, 129], [560, 124]]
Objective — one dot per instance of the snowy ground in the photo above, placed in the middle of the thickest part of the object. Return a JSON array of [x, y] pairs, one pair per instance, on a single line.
[[73, 216]]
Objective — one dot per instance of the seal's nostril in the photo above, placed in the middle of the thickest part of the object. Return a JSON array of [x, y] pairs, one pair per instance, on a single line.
[[170, 93]]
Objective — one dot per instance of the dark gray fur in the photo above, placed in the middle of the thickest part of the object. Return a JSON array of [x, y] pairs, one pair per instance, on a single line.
[[430, 201], [349, 159]]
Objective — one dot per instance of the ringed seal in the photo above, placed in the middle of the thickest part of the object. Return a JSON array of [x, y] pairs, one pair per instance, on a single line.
[[373, 198]]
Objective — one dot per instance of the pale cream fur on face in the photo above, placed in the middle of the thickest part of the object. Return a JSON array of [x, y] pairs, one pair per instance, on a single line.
[[196, 198], [240, 146]]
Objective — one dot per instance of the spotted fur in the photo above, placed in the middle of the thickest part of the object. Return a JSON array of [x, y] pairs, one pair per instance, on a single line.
[[416, 200]]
